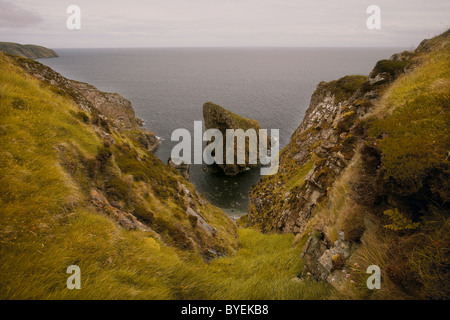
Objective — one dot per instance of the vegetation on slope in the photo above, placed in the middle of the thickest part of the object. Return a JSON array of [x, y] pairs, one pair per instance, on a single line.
[[311, 159], [70, 197], [371, 159], [27, 50], [392, 201]]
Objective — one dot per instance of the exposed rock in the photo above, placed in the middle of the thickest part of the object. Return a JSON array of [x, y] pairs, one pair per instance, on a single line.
[[334, 258], [311, 253], [380, 78], [211, 254], [106, 137], [122, 218], [219, 118], [148, 139], [201, 221], [111, 106], [319, 150], [327, 143], [182, 168], [116, 108], [325, 262]]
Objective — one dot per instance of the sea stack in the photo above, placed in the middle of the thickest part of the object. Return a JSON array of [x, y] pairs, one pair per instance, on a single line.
[[217, 117]]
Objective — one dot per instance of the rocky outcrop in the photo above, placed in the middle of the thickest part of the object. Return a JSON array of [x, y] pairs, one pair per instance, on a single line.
[[217, 117], [122, 218], [107, 109], [116, 176], [182, 168], [27, 50], [112, 105], [319, 150], [324, 261]]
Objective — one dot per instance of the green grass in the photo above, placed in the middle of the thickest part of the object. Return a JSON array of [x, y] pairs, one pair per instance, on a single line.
[[239, 121], [50, 158], [344, 87], [390, 66], [409, 126], [414, 134]]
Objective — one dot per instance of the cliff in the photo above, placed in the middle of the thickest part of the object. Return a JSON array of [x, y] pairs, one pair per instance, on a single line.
[[364, 181], [318, 151], [79, 186], [217, 117], [77, 172], [27, 50], [109, 160], [365, 178]]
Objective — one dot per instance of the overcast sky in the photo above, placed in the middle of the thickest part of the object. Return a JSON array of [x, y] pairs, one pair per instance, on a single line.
[[222, 23]]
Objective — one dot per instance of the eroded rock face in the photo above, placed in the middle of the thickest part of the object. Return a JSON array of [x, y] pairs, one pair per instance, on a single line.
[[324, 261], [311, 253], [108, 109], [148, 139], [216, 117], [112, 106], [124, 219], [182, 168], [319, 150]]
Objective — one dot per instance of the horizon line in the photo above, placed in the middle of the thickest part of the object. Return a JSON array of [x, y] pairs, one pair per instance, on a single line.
[[239, 47]]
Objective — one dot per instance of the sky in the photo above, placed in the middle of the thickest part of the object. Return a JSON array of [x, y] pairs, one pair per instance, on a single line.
[[222, 23]]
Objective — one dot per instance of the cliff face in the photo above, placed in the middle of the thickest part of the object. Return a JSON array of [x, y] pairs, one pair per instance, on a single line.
[[96, 141], [318, 151], [27, 51], [79, 188], [219, 118], [325, 143], [108, 109], [365, 178], [112, 106]]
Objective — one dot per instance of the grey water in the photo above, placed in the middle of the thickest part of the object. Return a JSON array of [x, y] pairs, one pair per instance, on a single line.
[[168, 87]]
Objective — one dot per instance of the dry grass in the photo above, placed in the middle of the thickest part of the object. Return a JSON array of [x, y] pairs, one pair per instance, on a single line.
[[50, 157]]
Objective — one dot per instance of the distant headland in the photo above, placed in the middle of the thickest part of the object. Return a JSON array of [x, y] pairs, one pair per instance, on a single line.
[[30, 51]]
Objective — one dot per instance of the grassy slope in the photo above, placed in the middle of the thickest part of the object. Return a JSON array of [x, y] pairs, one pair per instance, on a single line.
[[238, 122], [410, 127], [27, 50], [48, 223]]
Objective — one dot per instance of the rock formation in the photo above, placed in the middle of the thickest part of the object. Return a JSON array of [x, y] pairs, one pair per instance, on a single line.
[[108, 109], [317, 153], [217, 117], [360, 150], [27, 51], [182, 168]]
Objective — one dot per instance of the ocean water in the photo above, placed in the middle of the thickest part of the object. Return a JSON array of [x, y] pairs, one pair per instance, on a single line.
[[168, 86]]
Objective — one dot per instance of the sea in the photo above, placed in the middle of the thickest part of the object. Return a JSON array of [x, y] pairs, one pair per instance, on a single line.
[[168, 87]]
